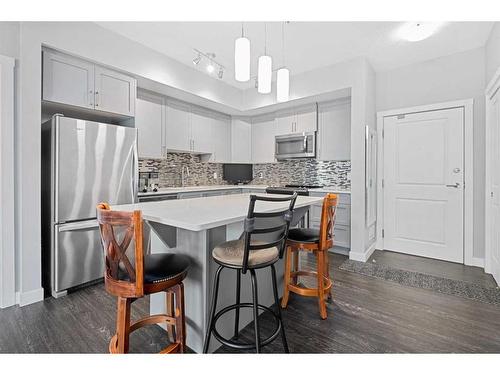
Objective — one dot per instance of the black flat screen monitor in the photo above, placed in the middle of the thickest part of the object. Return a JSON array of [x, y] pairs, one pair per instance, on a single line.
[[237, 173]]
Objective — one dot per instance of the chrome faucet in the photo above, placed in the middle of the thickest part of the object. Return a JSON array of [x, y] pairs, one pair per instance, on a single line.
[[184, 175]]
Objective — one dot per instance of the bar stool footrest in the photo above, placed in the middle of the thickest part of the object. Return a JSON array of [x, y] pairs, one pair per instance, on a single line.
[[235, 345]]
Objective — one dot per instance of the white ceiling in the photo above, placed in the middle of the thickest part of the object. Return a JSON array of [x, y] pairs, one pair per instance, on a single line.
[[308, 45]]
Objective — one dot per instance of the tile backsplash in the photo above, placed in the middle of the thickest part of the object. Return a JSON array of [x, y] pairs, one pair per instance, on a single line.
[[300, 171]]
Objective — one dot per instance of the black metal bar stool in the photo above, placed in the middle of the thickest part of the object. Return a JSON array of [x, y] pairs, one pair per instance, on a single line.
[[261, 245]]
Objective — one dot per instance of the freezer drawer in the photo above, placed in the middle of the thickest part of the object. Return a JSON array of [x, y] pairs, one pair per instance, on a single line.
[[78, 255]]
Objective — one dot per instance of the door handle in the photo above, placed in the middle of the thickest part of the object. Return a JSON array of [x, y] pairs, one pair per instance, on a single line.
[[455, 185]]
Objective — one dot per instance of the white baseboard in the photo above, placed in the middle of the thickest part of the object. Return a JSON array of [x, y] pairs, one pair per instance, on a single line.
[[27, 298], [477, 262], [363, 257]]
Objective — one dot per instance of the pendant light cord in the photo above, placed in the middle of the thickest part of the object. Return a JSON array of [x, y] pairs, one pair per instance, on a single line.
[[265, 38], [283, 43]]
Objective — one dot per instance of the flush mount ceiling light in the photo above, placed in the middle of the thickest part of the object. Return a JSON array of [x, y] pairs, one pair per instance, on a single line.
[[417, 31], [283, 75], [265, 70], [242, 58]]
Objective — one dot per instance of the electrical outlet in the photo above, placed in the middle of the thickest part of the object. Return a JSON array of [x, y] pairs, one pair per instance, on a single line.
[[215, 175], [261, 175]]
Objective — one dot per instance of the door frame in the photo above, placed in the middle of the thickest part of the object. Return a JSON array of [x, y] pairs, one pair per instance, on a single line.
[[7, 229], [491, 90], [468, 232]]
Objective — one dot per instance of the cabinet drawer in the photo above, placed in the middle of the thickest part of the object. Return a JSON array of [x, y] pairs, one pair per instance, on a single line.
[[343, 215], [344, 198], [342, 235]]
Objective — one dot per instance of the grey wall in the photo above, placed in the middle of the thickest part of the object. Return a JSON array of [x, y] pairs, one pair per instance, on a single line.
[[493, 52], [454, 77]]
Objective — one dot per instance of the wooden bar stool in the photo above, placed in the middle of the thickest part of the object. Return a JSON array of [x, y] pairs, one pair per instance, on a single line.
[[131, 276], [317, 242]]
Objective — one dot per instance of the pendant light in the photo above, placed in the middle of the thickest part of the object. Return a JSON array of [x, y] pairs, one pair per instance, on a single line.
[[283, 75], [265, 70], [242, 58]]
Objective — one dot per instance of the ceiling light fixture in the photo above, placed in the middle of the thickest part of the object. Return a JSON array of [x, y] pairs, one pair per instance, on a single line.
[[242, 58], [265, 70], [197, 59], [417, 31], [283, 75]]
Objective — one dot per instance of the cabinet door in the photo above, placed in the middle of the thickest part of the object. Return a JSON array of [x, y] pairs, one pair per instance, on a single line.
[[334, 133], [285, 124], [306, 122], [149, 116], [241, 142], [68, 80], [178, 127], [221, 137], [263, 134], [114, 92], [201, 133]]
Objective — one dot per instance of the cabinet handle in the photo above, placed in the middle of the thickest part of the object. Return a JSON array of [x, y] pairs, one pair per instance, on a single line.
[[97, 98], [91, 104]]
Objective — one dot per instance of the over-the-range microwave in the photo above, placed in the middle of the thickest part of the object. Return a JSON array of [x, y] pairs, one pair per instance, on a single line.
[[294, 146]]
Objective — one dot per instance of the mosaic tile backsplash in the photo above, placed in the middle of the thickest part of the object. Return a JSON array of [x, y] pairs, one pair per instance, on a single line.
[[300, 171]]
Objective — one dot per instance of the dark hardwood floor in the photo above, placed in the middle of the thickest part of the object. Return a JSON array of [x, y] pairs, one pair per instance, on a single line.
[[367, 315]]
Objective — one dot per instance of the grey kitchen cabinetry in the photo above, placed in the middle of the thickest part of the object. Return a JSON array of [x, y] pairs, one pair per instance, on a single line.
[[77, 82], [297, 120], [334, 130], [150, 124], [241, 141], [342, 230], [263, 133]]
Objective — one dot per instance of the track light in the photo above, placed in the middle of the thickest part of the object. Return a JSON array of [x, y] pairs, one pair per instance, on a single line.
[[221, 72], [197, 59], [210, 67]]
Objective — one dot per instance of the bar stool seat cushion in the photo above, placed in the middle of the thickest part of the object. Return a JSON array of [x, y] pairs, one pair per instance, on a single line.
[[306, 235], [162, 267], [231, 253]]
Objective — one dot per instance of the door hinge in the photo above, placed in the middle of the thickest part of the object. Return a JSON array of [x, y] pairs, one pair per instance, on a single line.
[[383, 233], [400, 117]]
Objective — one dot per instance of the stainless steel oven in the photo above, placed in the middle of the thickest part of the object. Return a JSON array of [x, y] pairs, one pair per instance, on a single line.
[[292, 146]]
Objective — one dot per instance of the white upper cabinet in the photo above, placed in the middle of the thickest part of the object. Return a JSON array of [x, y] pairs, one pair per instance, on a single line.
[[114, 92], [241, 141], [68, 80], [77, 82], [221, 138], [178, 127], [334, 133], [296, 120], [263, 133], [201, 133], [149, 120]]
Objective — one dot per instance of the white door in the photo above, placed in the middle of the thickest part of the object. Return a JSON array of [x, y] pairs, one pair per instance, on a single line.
[[68, 80], [263, 142], [178, 127], [114, 92], [201, 133], [493, 199], [423, 184], [149, 120]]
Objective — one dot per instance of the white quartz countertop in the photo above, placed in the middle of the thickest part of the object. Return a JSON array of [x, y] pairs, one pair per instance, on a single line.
[[197, 214], [188, 189]]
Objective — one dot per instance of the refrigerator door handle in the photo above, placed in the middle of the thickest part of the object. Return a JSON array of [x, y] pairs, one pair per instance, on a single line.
[[135, 173], [78, 225]]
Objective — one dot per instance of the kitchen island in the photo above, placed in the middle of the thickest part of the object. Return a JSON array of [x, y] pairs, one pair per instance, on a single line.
[[194, 227]]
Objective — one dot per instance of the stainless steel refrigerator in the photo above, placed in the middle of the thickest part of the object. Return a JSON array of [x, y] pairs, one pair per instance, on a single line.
[[83, 163]]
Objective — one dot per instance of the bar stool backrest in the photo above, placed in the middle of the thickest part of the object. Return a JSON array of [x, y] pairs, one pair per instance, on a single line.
[[327, 224], [120, 230], [267, 229]]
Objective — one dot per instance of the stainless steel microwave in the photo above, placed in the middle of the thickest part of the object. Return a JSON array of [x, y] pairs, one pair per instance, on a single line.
[[293, 146]]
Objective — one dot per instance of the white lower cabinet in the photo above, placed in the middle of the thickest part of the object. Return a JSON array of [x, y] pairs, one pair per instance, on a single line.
[[342, 229]]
